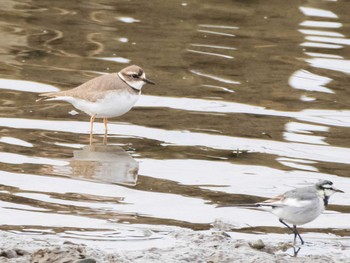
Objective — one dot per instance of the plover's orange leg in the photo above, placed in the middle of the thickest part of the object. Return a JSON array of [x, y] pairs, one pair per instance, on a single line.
[[105, 137], [92, 119]]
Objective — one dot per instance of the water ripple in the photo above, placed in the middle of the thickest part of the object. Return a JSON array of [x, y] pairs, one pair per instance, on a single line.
[[215, 33], [293, 150], [210, 53], [306, 80], [324, 24], [26, 86], [213, 46], [309, 11], [223, 80]]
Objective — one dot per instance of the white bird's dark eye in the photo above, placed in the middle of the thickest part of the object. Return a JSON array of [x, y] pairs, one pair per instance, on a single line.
[[134, 76]]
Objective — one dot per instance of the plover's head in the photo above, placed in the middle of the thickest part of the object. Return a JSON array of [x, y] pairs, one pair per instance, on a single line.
[[134, 76], [325, 188]]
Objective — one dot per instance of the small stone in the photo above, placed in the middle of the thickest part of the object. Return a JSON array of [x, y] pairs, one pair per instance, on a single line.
[[86, 260], [257, 244], [285, 246], [21, 252], [223, 234], [9, 253], [68, 243]]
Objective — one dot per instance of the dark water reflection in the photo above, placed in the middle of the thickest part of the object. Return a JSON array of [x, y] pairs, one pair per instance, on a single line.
[[251, 100]]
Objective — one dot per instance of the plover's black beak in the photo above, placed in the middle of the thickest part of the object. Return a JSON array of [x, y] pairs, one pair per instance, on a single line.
[[148, 81]]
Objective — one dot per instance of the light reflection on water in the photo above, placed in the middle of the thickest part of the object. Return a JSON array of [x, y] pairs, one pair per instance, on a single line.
[[101, 163], [241, 112]]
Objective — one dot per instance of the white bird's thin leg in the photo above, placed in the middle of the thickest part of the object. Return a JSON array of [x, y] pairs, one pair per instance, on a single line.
[[296, 233], [294, 230]]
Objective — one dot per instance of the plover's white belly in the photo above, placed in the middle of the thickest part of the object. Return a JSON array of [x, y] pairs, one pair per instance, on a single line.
[[113, 104]]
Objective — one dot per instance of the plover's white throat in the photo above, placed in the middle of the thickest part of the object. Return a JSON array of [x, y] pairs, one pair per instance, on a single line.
[[299, 206], [106, 96]]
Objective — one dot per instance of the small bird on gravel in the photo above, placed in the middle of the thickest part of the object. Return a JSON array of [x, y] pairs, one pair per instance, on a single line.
[[299, 206]]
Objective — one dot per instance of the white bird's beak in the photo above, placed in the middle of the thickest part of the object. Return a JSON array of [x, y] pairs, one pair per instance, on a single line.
[[337, 190]]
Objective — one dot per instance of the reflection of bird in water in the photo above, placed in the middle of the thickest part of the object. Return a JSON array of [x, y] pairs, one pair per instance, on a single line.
[[102, 163], [106, 96], [299, 206], [296, 251]]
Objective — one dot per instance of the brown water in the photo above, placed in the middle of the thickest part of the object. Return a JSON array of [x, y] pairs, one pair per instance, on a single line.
[[251, 100]]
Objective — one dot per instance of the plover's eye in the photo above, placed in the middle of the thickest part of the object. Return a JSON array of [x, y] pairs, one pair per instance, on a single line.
[[135, 76]]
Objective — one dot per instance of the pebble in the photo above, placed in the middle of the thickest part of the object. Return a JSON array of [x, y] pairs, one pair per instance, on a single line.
[[86, 260], [257, 244], [11, 253]]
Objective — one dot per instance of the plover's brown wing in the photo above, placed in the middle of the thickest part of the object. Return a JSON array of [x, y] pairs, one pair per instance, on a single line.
[[92, 90]]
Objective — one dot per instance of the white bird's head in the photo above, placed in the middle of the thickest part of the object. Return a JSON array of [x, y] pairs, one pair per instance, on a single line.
[[325, 188]]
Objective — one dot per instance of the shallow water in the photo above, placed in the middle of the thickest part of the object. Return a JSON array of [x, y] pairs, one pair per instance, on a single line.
[[251, 100]]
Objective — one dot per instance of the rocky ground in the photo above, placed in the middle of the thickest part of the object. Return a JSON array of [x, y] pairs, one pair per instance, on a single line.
[[189, 246]]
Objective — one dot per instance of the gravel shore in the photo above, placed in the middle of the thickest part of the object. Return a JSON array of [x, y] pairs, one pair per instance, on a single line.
[[189, 246]]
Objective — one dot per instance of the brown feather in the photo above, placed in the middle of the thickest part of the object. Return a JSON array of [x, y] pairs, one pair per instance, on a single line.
[[93, 89]]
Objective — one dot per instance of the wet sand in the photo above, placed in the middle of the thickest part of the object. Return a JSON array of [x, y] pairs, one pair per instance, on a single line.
[[188, 246]]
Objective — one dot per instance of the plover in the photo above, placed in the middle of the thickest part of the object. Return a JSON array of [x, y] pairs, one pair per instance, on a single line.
[[106, 96]]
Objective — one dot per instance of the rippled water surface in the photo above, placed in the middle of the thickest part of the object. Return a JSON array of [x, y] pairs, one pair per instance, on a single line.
[[252, 99]]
